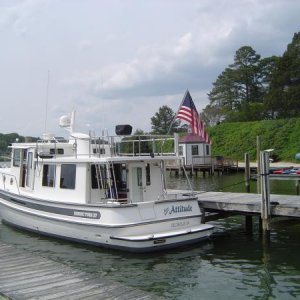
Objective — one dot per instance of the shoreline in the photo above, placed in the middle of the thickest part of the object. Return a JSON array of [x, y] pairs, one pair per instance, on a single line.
[[272, 165]]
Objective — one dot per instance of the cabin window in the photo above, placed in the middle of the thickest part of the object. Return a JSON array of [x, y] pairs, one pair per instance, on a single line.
[[94, 177], [56, 151], [120, 175], [29, 169], [195, 150], [97, 150], [148, 176], [48, 175], [207, 150], [68, 176], [17, 157], [98, 174], [139, 176]]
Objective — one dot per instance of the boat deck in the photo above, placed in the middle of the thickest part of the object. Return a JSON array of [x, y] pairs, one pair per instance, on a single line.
[[27, 276]]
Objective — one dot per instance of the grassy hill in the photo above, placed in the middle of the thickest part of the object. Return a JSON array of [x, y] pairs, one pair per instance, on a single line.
[[232, 140]]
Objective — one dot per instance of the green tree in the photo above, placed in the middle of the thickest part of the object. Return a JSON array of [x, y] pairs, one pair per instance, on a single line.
[[247, 74], [283, 98], [212, 115], [238, 93], [224, 94], [163, 121]]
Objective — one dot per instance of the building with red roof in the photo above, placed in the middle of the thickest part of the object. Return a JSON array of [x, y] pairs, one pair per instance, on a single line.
[[195, 150]]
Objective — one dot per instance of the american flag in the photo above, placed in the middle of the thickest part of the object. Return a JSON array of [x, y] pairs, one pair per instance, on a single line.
[[203, 133], [188, 112]]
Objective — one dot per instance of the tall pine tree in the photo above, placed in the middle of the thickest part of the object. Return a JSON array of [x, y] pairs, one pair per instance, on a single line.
[[283, 100]]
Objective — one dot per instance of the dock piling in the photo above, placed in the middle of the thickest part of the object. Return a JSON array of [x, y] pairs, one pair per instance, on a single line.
[[258, 162], [248, 218], [247, 172], [265, 191]]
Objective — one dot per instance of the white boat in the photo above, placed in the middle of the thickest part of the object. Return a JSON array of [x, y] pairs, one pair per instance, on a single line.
[[83, 189]]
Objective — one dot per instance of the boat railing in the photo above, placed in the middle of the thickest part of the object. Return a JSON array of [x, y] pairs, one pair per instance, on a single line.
[[50, 142], [103, 146], [141, 145]]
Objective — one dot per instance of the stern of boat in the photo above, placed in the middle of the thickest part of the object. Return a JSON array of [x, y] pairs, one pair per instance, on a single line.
[[164, 224]]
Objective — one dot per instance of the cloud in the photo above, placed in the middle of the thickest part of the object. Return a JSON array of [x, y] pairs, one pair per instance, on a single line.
[[85, 45], [119, 62], [184, 44], [155, 71], [191, 60], [18, 15], [159, 74]]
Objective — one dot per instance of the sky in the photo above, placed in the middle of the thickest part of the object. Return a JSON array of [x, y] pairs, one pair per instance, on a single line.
[[118, 61]]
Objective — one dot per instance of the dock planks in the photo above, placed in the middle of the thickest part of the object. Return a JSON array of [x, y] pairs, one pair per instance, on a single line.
[[27, 276], [246, 203]]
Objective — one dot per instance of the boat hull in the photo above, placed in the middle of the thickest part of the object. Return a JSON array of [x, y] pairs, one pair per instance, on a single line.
[[149, 231]]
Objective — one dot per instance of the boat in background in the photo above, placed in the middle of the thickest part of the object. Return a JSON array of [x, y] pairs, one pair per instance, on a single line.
[[287, 171], [87, 190]]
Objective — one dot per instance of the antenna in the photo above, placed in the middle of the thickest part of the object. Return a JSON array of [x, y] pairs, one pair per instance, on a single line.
[[47, 96]]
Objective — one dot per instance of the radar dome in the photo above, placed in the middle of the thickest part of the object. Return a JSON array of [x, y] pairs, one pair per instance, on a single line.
[[64, 121]]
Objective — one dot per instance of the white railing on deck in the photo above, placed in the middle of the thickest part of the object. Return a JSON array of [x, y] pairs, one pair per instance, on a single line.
[[133, 145]]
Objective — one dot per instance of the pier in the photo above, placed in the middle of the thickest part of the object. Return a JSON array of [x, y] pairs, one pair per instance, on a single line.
[[27, 276], [248, 204], [263, 204], [202, 164]]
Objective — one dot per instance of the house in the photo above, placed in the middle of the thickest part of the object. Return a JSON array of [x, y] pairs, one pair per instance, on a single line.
[[195, 150]]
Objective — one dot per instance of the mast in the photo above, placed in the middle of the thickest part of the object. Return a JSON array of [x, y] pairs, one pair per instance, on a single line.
[[47, 96]]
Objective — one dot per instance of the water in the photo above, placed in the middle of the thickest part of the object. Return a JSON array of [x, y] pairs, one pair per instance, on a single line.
[[232, 265]]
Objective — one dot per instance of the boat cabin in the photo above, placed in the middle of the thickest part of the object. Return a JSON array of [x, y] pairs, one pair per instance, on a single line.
[[83, 170]]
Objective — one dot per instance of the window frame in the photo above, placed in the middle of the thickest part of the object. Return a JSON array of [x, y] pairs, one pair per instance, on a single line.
[[17, 157], [49, 175], [207, 148], [193, 148], [69, 184]]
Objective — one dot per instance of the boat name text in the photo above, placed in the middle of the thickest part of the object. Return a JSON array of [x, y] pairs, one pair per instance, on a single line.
[[175, 209], [180, 224], [86, 214]]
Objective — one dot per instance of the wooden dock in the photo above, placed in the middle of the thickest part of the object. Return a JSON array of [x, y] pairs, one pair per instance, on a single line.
[[205, 169], [249, 204], [27, 276]]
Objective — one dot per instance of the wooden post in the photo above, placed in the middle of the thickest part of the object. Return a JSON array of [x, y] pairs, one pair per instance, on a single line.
[[297, 187], [192, 170], [265, 191], [258, 163], [248, 219], [247, 172], [176, 144]]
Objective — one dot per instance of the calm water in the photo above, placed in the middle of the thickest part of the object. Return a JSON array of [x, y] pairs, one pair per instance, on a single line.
[[233, 265]]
